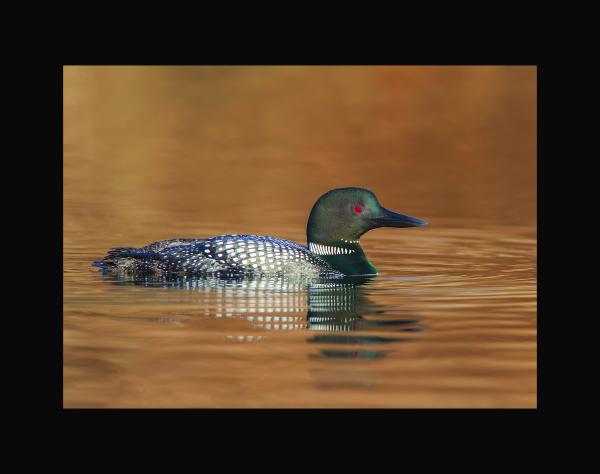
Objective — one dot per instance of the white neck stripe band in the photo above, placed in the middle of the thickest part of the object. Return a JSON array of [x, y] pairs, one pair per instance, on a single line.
[[321, 249]]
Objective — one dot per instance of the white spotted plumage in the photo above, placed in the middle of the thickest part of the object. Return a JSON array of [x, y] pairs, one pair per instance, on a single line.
[[227, 254]]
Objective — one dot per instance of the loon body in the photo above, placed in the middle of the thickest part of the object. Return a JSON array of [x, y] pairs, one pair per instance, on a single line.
[[335, 224]]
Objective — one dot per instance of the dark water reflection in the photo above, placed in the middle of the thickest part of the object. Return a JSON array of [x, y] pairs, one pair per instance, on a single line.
[[333, 306]]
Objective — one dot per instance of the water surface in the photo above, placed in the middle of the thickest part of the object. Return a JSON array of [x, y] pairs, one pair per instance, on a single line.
[[158, 153]]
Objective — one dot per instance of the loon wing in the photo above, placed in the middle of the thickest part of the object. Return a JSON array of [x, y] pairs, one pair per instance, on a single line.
[[165, 244], [150, 258], [228, 253]]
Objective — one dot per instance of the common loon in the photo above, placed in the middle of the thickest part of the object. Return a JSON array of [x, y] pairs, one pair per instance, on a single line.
[[335, 225]]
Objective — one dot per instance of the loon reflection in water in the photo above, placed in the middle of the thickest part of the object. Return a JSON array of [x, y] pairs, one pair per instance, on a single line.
[[331, 306]]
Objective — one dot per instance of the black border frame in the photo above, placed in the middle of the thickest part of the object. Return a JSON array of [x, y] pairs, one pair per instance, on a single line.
[[414, 436]]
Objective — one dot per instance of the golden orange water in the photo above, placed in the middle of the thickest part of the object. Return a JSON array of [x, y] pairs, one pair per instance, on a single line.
[[153, 153]]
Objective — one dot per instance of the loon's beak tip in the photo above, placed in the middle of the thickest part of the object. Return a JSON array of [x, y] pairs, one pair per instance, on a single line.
[[395, 219]]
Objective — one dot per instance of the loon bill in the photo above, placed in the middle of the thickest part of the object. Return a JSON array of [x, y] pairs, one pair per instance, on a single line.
[[336, 222]]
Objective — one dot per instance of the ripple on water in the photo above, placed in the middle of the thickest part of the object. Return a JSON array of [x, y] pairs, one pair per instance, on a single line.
[[472, 310]]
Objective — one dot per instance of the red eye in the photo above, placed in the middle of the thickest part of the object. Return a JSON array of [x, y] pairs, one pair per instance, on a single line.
[[357, 209]]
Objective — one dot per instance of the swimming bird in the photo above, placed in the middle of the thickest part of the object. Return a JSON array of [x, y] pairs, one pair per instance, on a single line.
[[337, 221]]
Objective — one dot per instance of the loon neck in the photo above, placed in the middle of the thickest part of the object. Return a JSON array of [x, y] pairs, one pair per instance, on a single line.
[[344, 255], [336, 247]]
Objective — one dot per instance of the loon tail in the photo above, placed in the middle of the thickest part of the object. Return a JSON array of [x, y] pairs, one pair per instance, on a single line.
[[121, 251], [122, 257]]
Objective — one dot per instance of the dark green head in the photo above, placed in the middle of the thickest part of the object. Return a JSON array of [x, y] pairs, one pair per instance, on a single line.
[[340, 217]]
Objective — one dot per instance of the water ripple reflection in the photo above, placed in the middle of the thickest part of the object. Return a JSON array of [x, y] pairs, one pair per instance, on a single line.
[[331, 306]]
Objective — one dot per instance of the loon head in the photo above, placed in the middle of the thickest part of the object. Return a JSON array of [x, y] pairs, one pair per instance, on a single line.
[[337, 221]]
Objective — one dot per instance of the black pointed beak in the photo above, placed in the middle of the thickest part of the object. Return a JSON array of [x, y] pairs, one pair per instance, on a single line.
[[395, 219]]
